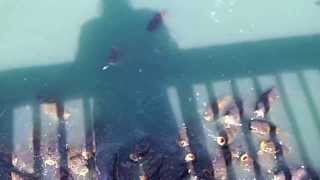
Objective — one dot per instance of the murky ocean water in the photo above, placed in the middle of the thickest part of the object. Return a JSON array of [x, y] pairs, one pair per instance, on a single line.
[[156, 85]]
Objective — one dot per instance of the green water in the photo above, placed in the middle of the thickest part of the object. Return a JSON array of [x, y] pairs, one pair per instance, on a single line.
[[132, 98]]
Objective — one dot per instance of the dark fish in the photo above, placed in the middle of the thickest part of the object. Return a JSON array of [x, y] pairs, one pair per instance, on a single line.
[[263, 106], [155, 22], [317, 3]]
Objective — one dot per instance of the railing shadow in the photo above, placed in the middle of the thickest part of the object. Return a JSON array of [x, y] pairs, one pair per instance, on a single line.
[[279, 155], [196, 131], [62, 141], [224, 150], [311, 104], [252, 150], [297, 132], [36, 137]]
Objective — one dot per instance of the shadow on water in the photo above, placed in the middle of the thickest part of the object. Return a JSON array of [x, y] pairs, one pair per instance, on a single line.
[[122, 88], [7, 145], [36, 137], [62, 142], [298, 134], [130, 97], [252, 150], [196, 131], [223, 150], [279, 155]]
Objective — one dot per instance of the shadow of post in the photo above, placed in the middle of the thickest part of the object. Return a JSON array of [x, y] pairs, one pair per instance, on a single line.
[[311, 103], [196, 131], [62, 142], [252, 150], [90, 143], [36, 139], [297, 132], [6, 134]]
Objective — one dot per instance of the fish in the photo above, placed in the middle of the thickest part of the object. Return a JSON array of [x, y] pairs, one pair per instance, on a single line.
[[156, 21], [264, 103]]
